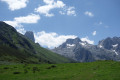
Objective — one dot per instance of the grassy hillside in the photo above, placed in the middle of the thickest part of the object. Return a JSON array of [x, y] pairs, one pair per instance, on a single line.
[[11, 55], [99, 70], [16, 48]]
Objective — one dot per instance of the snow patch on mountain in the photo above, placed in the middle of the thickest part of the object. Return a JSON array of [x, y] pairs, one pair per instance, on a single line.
[[70, 45], [82, 43], [115, 45], [115, 52], [100, 46]]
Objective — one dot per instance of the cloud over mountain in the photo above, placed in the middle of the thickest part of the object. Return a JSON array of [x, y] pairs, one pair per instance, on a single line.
[[87, 40], [18, 21], [31, 18], [51, 39]]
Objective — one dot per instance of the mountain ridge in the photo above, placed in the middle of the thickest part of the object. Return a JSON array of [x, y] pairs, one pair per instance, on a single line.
[[85, 52], [20, 49]]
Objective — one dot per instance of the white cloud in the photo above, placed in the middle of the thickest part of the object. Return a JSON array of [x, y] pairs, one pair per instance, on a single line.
[[70, 11], [45, 10], [50, 4], [94, 33], [87, 40], [21, 30], [62, 13], [13, 23], [17, 22], [48, 1], [32, 18], [16, 4], [16, 25], [52, 39], [55, 4], [90, 14]]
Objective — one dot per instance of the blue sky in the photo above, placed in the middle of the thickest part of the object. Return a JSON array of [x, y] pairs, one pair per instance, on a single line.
[[54, 21]]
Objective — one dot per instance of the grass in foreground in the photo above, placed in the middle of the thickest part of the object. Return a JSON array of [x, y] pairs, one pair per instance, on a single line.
[[99, 70]]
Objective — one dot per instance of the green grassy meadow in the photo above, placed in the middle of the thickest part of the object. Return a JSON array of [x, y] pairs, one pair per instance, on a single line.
[[99, 70]]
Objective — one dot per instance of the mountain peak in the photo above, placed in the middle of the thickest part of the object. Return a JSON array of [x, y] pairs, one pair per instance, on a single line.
[[30, 35], [109, 43], [107, 49], [77, 39], [1, 22], [73, 41], [4, 26]]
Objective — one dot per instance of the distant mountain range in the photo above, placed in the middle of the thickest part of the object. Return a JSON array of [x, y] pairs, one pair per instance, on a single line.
[[17, 48], [107, 49]]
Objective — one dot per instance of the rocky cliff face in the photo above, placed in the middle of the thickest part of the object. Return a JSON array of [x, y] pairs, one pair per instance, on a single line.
[[112, 44], [30, 35], [78, 50]]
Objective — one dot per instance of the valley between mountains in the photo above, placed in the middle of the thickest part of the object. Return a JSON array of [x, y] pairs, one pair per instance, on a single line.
[[23, 59]]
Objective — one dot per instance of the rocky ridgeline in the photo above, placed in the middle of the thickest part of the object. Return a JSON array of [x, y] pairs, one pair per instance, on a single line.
[[107, 49], [30, 35]]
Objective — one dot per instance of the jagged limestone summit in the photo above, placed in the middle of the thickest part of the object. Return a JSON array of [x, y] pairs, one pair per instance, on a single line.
[[107, 49], [30, 35]]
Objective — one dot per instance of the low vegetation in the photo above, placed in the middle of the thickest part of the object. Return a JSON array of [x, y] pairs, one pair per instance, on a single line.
[[99, 70]]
